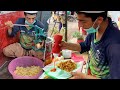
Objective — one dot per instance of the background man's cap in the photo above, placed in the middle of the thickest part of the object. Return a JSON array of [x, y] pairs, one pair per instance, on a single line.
[[31, 12]]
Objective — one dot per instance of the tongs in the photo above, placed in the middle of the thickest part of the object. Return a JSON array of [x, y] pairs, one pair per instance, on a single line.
[[20, 25]]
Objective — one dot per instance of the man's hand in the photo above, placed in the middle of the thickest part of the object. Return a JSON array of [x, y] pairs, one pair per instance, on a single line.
[[64, 45], [78, 75], [9, 24]]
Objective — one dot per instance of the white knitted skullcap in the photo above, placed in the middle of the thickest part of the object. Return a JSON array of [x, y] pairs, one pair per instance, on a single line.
[[92, 11], [31, 12]]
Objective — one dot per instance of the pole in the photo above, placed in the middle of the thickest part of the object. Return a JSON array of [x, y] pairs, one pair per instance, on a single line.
[[66, 26]]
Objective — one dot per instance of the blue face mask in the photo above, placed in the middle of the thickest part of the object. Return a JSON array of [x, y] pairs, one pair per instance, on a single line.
[[92, 29], [26, 22]]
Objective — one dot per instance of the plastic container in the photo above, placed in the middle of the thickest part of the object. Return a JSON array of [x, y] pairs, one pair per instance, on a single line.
[[24, 62], [66, 53]]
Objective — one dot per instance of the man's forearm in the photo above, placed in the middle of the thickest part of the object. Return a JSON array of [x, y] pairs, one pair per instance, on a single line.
[[74, 47], [90, 77]]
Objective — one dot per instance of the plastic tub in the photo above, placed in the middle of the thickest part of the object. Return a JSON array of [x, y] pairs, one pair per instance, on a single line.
[[24, 62]]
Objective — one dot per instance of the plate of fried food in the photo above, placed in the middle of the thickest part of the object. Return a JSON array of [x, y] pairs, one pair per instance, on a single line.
[[63, 68], [67, 65]]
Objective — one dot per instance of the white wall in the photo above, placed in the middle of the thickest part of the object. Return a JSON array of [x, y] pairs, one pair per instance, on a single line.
[[114, 16]]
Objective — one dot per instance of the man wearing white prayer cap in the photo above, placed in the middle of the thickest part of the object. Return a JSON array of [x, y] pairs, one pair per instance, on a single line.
[[27, 35], [103, 44]]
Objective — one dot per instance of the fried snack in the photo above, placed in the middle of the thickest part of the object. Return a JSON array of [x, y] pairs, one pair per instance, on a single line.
[[27, 71], [67, 66], [53, 70]]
